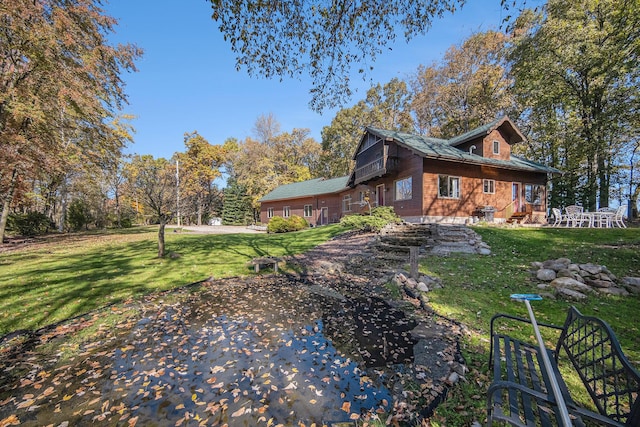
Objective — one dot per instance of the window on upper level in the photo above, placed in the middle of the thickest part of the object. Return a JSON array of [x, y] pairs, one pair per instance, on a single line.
[[496, 147]]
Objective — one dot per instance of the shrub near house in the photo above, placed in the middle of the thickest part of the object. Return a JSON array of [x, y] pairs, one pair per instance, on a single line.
[[281, 225]]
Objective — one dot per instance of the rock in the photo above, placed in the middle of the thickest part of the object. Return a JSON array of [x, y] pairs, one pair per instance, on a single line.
[[578, 277], [546, 274], [597, 283], [603, 276], [565, 272], [424, 298], [412, 283], [632, 284], [556, 264], [614, 291], [536, 265], [453, 378], [402, 278], [484, 251], [422, 287], [543, 286], [571, 294], [633, 281], [572, 284], [574, 267], [592, 269]]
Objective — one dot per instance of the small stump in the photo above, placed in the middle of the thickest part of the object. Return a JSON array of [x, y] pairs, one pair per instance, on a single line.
[[265, 261]]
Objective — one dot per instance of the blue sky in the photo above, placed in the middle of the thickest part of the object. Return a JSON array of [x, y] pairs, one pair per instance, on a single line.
[[187, 80]]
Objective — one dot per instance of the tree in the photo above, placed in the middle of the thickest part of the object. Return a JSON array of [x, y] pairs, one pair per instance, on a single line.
[[199, 167], [154, 182], [470, 88], [385, 106], [579, 61], [324, 38], [59, 85], [276, 159], [237, 209]]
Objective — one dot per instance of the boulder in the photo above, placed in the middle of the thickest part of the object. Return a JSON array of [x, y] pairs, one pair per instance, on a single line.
[[565, 272], [556, 264], [592, 269], [597, 283], [546, 274], [571, 294], [422, 287], [572, 284], [484, 251], [632, 284], [614, 290]]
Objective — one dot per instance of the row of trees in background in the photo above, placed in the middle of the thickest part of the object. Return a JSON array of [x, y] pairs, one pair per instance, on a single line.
[[567, 73]]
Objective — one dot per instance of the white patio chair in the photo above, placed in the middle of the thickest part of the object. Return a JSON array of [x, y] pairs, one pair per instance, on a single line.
[[618, 219], [558, 218], [574, 216], [604, 217]]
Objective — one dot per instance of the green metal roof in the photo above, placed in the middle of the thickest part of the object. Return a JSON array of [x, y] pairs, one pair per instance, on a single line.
[[435, 148], [312, 187]]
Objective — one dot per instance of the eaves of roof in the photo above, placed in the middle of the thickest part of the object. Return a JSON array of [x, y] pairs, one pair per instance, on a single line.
[[309, 188], [440, 149]]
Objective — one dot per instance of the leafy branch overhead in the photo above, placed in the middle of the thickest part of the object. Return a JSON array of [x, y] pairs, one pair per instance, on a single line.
[[326, 39]]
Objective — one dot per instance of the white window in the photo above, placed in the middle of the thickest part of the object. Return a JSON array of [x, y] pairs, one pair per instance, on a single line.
[[404, 189], [449, 186], [496, 147], [286, 211], [269, 212], [488, 186], [346, 203], [308, 211]]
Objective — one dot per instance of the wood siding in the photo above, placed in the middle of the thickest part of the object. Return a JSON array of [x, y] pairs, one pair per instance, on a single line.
[[472, 194], [333, 202]]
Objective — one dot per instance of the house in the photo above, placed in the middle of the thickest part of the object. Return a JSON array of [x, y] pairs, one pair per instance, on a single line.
[[425, 179]]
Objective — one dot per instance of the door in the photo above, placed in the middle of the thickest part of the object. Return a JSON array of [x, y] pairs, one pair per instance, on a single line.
[[324, 216], [380, 194], [516, 197]]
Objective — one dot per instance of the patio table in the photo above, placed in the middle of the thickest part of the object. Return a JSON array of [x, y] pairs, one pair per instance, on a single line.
[[602, 219]]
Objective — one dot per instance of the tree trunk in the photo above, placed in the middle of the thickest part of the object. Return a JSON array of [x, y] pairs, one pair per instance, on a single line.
[[7, 203], [163, 222]]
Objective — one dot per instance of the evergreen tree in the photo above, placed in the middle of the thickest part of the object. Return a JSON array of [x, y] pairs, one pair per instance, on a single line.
[[236, 208]]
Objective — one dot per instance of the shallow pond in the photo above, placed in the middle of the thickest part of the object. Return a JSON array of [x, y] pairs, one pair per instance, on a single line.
[[236, 353]]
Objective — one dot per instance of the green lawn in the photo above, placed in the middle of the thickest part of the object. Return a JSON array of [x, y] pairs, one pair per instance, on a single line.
[[47, 283], [476, 288]]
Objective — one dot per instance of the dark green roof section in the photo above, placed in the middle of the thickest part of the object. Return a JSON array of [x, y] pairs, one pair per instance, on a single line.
[[312, 187], [474, 133], [435, 148]]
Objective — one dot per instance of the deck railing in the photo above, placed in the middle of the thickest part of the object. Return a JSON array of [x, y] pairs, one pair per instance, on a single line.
[[378, 167]]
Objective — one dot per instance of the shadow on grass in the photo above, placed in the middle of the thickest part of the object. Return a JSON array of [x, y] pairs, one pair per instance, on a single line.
[[42, 287]]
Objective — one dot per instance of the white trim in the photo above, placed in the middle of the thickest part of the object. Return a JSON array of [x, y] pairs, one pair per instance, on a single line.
[[492, 186]]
